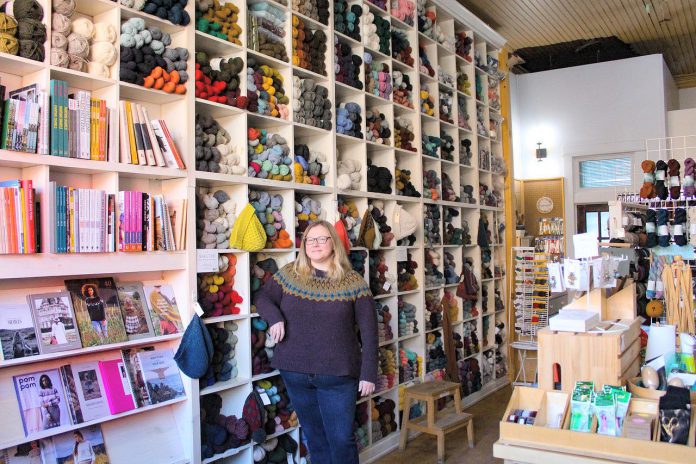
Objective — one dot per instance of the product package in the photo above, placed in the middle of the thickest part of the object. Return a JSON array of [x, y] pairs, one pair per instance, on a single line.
[[581, 407]]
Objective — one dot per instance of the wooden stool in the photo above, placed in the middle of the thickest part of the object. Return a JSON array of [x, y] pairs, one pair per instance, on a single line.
[[452, 419]]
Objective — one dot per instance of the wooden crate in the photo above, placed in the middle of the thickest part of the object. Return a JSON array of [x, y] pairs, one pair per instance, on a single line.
[[605, 358], [540, 444]]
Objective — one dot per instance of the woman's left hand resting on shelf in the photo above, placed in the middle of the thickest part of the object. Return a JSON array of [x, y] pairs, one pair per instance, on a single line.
[[366, 388]]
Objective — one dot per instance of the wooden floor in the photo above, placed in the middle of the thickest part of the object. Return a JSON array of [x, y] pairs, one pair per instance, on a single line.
[[487, 414]]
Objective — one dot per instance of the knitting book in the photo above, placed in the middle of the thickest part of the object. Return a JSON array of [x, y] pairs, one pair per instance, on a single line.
[[162, 377], [55, 322], [146, 141], [17, 332], [97, 310], [82, 446], [144, 223], [26, 453], [21, 118], [136, 316], [41, 401], [85, 391], [164, 311], [135, 375], [116, 386], [17, 217]]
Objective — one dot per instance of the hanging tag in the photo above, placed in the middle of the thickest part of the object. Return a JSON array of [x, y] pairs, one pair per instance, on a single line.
[[663, 230], [674, 181], [265, 399], [678, 229], [651, 286], [197, 308], [386, 286], [660, 175], [401, 254], [215, 64], [660, 286]]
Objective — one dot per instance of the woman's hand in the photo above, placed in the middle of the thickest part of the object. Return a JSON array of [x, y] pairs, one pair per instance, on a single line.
[[277, 331], [366, 388]]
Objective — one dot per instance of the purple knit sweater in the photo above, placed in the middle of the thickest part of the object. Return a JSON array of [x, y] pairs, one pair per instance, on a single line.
[[320, 318]]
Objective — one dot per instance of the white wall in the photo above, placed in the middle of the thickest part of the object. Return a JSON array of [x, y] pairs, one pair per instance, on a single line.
[[687, 98], [681, 122], [596, 109]]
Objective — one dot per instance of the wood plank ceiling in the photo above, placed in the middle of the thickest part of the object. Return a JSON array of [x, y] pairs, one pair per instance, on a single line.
[[649, 26]]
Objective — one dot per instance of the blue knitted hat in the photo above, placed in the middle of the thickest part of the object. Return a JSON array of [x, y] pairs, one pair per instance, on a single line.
[[196, 349]]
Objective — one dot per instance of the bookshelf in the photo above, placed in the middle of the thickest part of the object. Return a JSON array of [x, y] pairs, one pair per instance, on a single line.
[[170, 433]]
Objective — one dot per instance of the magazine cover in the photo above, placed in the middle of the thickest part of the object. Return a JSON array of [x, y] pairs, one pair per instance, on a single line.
[[26, 453], [162, 376], [136, 319], [135, 375], [89, 389], [97, 310], [116, 386], [82, 446], [41, 401], [163, 309], [17, 332], [55, 322], [66, 376]]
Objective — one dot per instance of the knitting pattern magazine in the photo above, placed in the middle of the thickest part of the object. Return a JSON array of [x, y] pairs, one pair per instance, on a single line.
[[17, 333], [97, 310], [55, 322], [41, 401], [83, 446], [163, 309], [136, 317]]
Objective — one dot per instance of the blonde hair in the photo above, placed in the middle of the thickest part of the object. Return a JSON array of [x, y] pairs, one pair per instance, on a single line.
[[340, 265]]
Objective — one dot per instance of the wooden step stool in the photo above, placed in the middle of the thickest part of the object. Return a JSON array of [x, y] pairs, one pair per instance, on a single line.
[[452, 419]]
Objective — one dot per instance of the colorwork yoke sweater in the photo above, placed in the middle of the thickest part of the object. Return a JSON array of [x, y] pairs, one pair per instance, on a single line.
[[320, 317]]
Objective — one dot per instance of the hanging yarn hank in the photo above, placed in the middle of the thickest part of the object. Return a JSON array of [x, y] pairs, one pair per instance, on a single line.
[[679, 231], [679, 295], [689, 189], [648, 188], [674, 184], [662, 227], [655, 287], [660, 176]]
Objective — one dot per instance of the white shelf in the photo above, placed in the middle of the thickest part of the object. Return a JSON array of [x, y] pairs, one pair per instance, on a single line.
[[88, 350]]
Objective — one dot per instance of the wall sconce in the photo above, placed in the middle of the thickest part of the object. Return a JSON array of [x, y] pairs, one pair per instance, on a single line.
[[540, 152]]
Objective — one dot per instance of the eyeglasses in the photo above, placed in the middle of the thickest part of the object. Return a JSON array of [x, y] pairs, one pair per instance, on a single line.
[[319, 240]]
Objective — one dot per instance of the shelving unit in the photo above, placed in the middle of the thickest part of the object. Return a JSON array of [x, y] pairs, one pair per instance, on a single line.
[[171, 433]]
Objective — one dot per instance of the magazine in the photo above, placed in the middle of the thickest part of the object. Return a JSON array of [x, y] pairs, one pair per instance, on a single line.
[[26, 453], [17, 332], [97, 310], [55, 322], [162, 376], [116, 386], [82, 446], [85, 385], [41, 401], [163, 309], [136, 317], [135, 375]]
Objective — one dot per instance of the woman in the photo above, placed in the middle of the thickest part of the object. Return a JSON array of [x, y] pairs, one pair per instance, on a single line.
[[96, 309], [312, 307], [50, 403], [58, 332], [82, 452]]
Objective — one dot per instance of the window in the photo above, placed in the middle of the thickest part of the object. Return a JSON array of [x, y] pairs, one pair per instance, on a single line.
[[608, 172], [594, 219]]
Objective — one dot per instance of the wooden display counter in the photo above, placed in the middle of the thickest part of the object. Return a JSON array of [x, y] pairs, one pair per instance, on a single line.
[[541, 444]]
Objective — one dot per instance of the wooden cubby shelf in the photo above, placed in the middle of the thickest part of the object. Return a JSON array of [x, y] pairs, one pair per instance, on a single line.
[[170, 432]]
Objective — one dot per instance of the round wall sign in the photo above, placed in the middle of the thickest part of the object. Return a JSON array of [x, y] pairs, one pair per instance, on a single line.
[[544, 205]]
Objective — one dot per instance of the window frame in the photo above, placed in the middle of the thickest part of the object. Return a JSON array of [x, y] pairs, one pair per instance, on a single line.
[[580, 160]]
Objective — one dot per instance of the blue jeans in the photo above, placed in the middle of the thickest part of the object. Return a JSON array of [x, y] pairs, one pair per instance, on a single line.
[[325, 406]]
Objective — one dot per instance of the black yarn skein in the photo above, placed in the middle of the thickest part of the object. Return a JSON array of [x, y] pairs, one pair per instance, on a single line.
[[680, 220], [651, 228], [662, 218], [660, 187]]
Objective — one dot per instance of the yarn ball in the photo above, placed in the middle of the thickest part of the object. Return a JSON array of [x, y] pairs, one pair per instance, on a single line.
[[77, 63], [59, 40], [78, 45], [32, 50], [8, 44], [98, 69], [8, 25], [59, 57], [31, 29], [28, 9], [103, 52], [104, 32], [83, 27], [64, 7], [60, 23]]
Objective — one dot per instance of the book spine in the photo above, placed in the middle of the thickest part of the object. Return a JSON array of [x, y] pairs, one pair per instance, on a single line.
[[51, 194], [159, 159], [147, 143], [172, 145], [93, 121], [45, 126], [64, 117], [103, 133], [111, 217], [121, 226], [139, 143], [131, 134], [29, 188], [3, 223], [12, 216], [71, 224], [5, 124], [127, 214]]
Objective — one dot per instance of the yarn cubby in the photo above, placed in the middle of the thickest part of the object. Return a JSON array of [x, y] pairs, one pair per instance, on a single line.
[[179, 111]]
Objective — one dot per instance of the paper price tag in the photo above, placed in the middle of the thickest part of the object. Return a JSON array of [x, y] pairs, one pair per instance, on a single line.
[[401, 254], [386, 286], [207, 261], [265, 399], [215, 64], [660, 287], [197, 308], [660, 175], [651, 286], [674, 181]]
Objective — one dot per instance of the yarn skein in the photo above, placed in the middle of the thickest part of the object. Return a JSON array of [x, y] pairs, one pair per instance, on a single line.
[[674, 184], [662, 227], [27, 9], [98, 69], [651, 229], [78, 45], [8, 24], [32, 50], [679, 224], [102, 52], [83, 26], [77, 63], [59, 40], [59, 57], [648, 188], [31, 29], [660, 176], [60, 23], [689, 189], [64, 7], [692, 225], [8, 43], [104, 32]]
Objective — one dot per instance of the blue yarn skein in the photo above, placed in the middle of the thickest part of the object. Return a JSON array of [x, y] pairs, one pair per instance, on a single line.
[[650, 228], [662, 232], [680, 226]]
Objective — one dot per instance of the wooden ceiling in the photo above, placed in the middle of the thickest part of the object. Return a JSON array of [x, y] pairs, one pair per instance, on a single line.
[[649, 26]]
